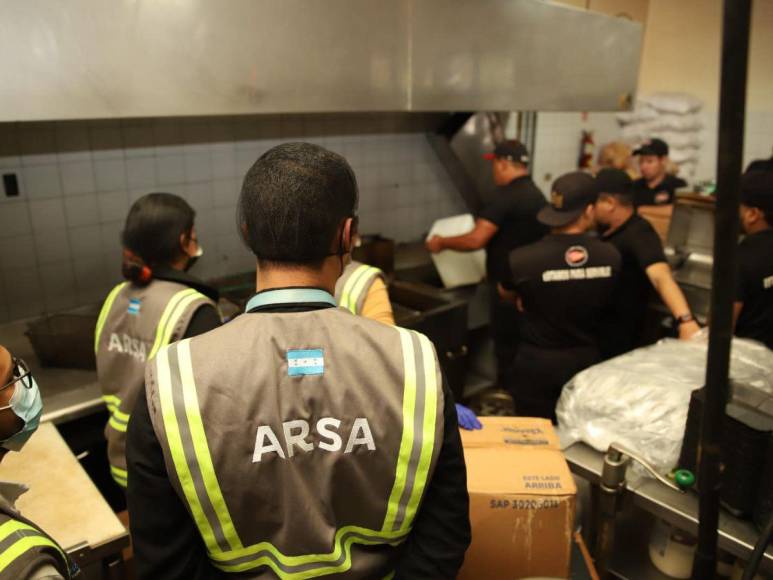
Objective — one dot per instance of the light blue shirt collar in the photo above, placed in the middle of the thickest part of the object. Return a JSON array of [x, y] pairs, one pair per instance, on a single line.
[[290, 296]]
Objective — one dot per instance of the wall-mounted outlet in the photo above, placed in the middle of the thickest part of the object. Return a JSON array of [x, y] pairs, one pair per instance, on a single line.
[[10, 185]]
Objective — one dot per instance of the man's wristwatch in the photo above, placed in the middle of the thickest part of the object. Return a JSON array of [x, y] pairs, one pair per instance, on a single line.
[[684, 318]]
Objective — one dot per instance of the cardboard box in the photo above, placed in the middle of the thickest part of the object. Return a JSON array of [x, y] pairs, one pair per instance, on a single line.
[[522, 500]]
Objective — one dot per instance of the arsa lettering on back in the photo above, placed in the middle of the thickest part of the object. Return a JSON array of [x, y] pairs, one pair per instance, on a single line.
[[126, 344], [296, 435]]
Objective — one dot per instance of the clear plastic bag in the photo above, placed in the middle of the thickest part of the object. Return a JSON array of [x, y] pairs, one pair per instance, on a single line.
[[641, 399]]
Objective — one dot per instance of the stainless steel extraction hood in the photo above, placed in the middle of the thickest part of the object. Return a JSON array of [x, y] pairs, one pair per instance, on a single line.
[[131, 58]]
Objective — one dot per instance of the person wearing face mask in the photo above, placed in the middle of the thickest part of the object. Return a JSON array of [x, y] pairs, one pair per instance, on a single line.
[[158, 303], [298, 440], [26, 551], [754, 294]]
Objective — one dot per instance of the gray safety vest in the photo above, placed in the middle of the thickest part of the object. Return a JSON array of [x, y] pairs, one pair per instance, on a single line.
[[353, 286], [24, 547], [134, 323], [294, 439]]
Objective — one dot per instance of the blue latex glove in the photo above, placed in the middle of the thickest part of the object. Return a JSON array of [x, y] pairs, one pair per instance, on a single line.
[[467, 419]]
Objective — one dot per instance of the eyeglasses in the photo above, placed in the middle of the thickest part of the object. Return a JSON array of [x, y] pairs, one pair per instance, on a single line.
[[20, 374]]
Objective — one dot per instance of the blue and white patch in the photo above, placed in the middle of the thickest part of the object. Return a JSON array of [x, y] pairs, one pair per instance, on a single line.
[[305, 362], [134, 306]]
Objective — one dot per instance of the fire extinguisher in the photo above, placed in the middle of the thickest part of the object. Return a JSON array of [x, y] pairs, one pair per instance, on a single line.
[[587, 147]]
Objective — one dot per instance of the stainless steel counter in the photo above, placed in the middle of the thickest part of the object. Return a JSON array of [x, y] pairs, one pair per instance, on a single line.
[[67, 393], [680, 509]]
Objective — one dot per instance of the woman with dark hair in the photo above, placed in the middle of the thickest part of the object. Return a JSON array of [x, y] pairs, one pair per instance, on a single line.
[[158, 304]]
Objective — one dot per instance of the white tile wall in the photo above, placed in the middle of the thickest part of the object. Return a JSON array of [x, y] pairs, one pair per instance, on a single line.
[[758, 140], [558, 135], [60, 239]]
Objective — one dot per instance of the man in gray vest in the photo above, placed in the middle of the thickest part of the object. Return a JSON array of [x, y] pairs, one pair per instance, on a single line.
[[298, 440]]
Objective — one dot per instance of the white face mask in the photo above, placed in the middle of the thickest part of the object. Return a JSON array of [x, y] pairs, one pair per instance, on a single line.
[[194, 258], [26, 404]]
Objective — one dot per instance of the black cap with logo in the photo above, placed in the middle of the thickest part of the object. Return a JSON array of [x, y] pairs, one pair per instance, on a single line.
[[570, 195], [614, 181], [511, 150], [757, 189], [653, 147]]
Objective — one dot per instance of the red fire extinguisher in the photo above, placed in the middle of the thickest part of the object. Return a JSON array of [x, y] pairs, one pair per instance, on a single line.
[[587, 147]]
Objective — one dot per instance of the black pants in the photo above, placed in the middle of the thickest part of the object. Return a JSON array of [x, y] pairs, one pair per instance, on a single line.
[[539, 374], [503, 324]]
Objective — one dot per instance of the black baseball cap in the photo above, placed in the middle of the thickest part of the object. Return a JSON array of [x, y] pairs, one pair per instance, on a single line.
[[570, 195], [757, 189], [614, 181], [511, 150], [653, 147]]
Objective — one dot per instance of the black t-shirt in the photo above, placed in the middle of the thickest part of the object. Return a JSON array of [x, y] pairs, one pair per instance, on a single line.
[[760, 165], [514, 211], [661, 194], [755, 287], [564, 281], [640, 247]]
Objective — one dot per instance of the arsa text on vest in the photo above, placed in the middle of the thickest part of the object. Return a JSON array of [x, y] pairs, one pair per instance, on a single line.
[[129, 345], [296, 432]]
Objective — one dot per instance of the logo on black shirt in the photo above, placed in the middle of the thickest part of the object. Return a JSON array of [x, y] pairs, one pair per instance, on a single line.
[[661, 197], [576, 256]]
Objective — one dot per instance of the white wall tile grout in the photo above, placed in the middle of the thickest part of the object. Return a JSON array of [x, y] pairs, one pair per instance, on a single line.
[[86, 175]]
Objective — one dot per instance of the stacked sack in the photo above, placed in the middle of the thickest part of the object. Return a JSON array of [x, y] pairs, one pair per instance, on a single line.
[[672, 117]]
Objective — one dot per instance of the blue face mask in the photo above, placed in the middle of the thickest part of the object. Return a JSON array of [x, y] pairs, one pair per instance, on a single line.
[[28, 406]]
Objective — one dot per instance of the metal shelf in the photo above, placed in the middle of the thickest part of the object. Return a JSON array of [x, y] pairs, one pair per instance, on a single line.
[[736, 536]]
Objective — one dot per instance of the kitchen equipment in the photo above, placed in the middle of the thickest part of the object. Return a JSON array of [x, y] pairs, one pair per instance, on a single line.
[[64, 340], [747, 434], [443, 321], [689, 247], [357, 56], [63, 500]]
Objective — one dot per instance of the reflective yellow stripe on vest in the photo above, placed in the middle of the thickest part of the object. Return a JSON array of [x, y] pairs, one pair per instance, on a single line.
[[174, 309], [106, 307], [171, 316], [418, 439], [354, 286], [187, 442], [120, 476], [118, 419], [17, 538]]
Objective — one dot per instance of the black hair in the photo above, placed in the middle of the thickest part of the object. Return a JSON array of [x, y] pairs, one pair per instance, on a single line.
[[293, 200], [152, 232]]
